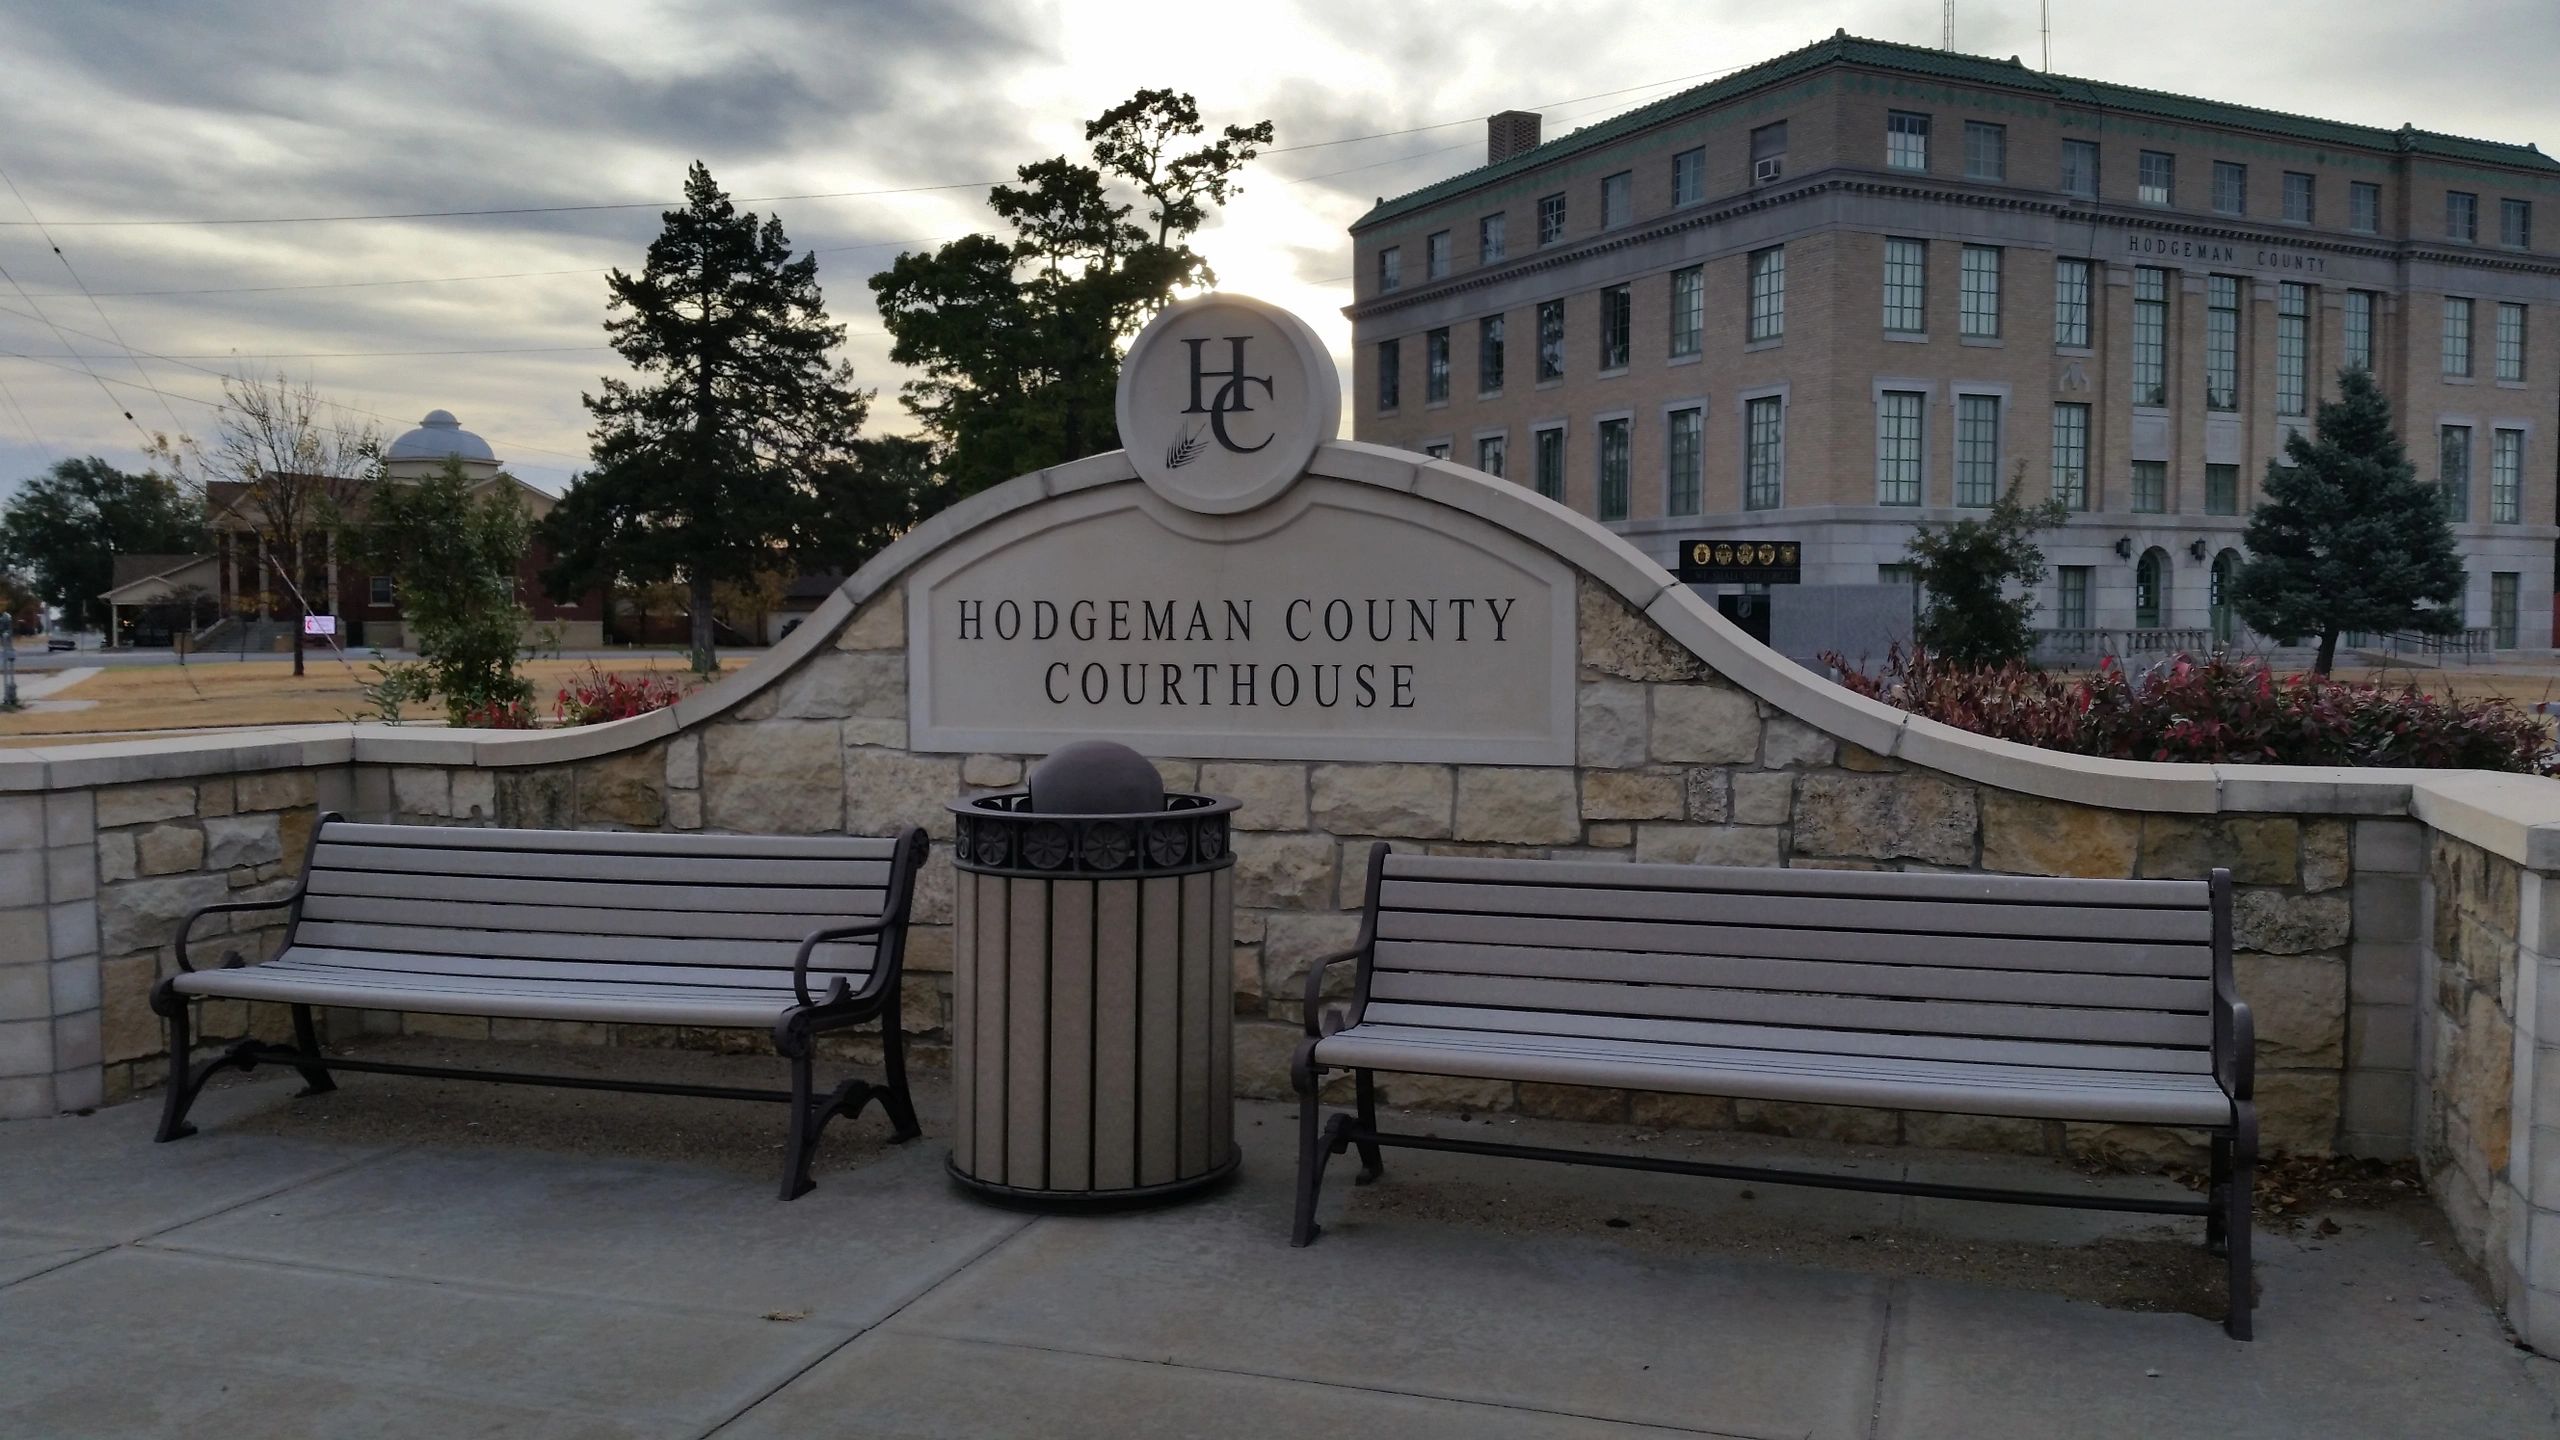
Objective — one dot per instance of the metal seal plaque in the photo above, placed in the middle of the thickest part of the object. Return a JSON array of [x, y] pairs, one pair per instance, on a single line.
[[1223, 401]]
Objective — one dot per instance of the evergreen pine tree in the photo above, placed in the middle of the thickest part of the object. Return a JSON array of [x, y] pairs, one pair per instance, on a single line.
[[703, 469], [2347, 538]]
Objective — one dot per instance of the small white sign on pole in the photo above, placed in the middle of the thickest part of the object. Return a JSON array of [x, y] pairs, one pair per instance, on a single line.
[[319, 624]]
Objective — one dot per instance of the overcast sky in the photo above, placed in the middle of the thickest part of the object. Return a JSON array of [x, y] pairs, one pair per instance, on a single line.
[[251, 109]]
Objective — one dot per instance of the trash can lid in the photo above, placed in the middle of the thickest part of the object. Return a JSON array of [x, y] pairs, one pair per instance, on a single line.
[[1096, 777]]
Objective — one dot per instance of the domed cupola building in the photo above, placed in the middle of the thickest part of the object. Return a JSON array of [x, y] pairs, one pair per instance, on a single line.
[[261, 610]]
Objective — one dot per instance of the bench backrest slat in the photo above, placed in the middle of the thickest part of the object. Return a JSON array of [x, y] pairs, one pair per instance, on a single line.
[[1969, 963], [734, 977], [2164, 1060], [558, 903]]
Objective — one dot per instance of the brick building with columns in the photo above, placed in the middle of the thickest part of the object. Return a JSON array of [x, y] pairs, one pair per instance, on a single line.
[[1862, 284]]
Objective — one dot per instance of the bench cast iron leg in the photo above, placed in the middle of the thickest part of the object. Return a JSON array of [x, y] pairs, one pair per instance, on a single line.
[[801, 1141], [177, 1095], [2236, 1206], [1314, 1147], [306, 1038], [894, 1098], [1372, 1162], [2217, 1192]]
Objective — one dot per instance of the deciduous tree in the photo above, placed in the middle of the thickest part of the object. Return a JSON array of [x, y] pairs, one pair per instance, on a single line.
[[1978, 579], [1019, 339], [64, 528], [454, 553]]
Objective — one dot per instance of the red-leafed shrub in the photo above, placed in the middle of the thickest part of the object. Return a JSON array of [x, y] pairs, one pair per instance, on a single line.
[[498, 715], [2217, 709], [599, 696]]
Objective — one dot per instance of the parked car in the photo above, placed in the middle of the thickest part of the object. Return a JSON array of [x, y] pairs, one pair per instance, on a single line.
[[61, 642]]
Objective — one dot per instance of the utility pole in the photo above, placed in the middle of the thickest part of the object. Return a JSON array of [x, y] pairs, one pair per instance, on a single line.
[[9, 663]]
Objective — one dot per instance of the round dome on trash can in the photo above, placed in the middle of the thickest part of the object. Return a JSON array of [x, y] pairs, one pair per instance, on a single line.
[[1096, 777]]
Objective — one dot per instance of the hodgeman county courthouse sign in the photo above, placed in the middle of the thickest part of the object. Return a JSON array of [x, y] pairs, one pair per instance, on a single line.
[[1238, 604]]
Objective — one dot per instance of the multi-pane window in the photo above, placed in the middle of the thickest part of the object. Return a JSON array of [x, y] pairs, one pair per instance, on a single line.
[[2461, 215], [2150, 486], [2506, 477], [2457, 336], [2071, 456], [2230, 188], [2453, 470], [1493, 454], [2148, 573], [2298, 197], [1978, 291], [2150, 336], [2071, 286], [1906, 140], [1689, 177], [1435, 255], [1977, 450], [1768, 150], [1764, 452], [1435, 367], [1550, 219], [2293, 347], [378, 589], [1688, 310], [1614, 460], [2356, 331], [2364, 206], [1391, 267], [1986, 151], [2515, 224], [1768, 293], [1436, 450], [1550, 340], [2071, 597], [2221, 342], [2080, 168], [2158, 178], [1489, 355], [1490, 232], [1550, 461], [2509, 343], [1685, 461], [1617, 313], [1898, 447], [2222, 489], [2504, 589], [1390, 374], [1617, 199], [1906, 286]]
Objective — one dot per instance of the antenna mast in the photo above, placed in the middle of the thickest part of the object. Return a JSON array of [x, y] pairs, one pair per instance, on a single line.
[[2044, 11], [1947, 24]]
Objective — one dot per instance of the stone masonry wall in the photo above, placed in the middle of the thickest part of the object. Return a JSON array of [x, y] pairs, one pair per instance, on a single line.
[[2475, 919], [1676, 765]]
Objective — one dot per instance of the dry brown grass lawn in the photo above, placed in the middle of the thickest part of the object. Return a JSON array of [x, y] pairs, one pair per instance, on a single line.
[[139, 700]]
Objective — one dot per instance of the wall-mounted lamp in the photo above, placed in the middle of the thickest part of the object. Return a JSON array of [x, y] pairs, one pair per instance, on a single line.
[[2124, 547], [2195, 551]]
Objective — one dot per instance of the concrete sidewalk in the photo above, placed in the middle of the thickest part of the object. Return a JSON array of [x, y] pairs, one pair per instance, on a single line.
[[432, 1259]]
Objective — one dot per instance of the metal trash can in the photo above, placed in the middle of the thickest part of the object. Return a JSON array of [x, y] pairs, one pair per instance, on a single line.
[[1093, 985]]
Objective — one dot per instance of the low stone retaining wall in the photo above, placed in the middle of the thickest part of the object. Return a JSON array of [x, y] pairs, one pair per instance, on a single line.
[[2390, 925]]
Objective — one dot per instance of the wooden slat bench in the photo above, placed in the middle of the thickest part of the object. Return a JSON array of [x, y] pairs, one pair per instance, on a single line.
[[2102, 1001], [796, 935]]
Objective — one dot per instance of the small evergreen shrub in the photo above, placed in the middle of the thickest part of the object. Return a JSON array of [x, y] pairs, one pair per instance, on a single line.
[[2212, 710]]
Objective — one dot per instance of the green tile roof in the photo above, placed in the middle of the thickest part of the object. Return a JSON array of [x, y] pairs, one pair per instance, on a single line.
[[1844, 48]]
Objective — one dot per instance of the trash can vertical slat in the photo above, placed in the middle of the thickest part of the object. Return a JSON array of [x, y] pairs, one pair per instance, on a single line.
[[1222, 1029], [1027, 1036], [964, 1014], [1115, 1040], [989, 970], [1071, 1054], [1198, 895], [1159, 1031]]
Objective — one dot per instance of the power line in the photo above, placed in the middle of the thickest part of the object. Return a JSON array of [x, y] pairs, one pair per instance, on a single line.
[[65, 342], [344, 354], [82, 286]]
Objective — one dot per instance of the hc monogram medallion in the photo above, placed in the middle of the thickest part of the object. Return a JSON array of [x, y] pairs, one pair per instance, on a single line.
[[1223, 401]]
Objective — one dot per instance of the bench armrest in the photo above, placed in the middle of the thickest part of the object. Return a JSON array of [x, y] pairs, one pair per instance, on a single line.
[[815, 938], [2235, 1034], [889, 956], [224, 907], [1315, 982]]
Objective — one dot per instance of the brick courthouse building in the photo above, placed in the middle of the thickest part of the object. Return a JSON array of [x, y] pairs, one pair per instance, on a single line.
[[1854, 287]]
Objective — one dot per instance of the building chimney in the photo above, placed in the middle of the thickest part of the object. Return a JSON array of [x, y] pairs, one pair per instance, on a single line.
[[1513, 132]]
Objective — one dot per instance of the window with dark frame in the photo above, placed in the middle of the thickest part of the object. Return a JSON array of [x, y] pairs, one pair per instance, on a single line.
[[1977, 450], [2230, 188], [1489, 237], [1617, 199], [2364, 207], [1764, 460], [1768, 270], [1435, 255], [1906, 140], [1614, 460], [1986, 151], [1906, 286], [2462, 216], [2157, 180], [1549, 444], [1390, 374], [1550, 340], [2072, 281], [1684, 461], [2300, 195], [2071, 455], [1688, 311], [1898, 446], [1617, 315], [2080, 168], [1435, 367], [1689, 177], [1489, 358], [2222, 342], [1550, 219]]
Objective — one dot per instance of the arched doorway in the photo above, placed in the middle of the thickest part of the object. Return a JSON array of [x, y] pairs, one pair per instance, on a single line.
[[2226, 568], [2150, 589]]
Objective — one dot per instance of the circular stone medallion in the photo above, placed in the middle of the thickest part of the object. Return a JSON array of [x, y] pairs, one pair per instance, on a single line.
[[1223, 401]]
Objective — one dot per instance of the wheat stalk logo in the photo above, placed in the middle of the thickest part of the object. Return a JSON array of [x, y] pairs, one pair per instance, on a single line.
[[1185, 450]]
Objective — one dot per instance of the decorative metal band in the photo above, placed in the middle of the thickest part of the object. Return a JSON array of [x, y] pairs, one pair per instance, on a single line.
[[1001, 835]]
